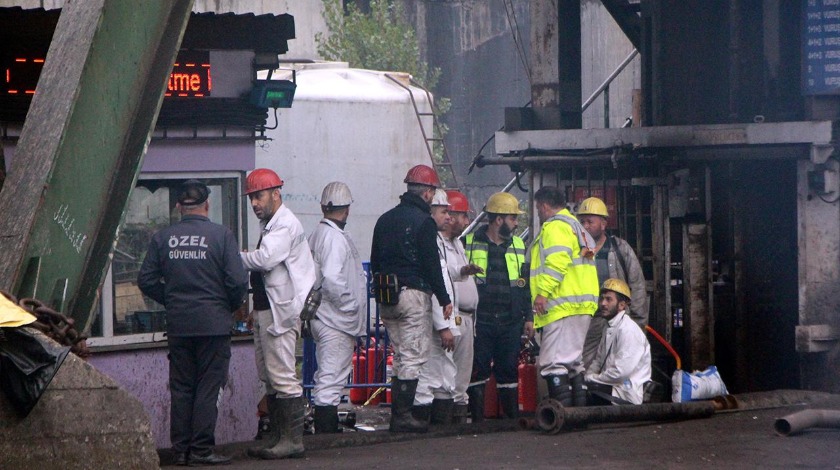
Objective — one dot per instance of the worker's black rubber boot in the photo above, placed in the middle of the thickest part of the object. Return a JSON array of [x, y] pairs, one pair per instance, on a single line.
[[402, 397], [509, 399], [459, 414], [442, 411], [287, 417], [559, 389], [422, 413], [579, 391], [476, 397], [326, 419]]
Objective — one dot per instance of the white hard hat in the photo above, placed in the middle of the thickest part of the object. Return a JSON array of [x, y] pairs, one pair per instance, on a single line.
[[336, 194], [440, 198]]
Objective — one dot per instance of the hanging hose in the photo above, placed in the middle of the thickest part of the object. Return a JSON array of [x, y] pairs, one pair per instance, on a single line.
[[666, 344]]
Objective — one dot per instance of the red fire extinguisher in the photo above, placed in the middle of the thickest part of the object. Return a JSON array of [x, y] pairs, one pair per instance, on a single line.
[[491, 398], [527, 378], [358, 395], [527, 387]]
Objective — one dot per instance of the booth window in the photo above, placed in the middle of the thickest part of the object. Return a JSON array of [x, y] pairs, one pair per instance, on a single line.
[[128, 316]]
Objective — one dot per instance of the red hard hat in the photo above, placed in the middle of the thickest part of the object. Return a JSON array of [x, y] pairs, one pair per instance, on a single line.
[[422, 174], [262, 178], [457, 201]]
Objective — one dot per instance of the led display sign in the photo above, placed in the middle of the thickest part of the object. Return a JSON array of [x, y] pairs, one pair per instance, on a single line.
[[190, 75], [21, 75]]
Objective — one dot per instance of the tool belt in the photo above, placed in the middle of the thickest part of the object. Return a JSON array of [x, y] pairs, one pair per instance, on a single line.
[[386, 289]]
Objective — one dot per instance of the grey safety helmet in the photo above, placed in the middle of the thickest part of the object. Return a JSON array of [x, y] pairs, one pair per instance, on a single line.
[[336, 194], [440, 198]]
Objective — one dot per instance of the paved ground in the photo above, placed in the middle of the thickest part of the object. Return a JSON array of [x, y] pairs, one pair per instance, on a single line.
[[744, 439]]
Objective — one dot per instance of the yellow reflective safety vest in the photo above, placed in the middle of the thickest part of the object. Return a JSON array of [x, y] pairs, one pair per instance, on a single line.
[[476, 251], [560, 272]]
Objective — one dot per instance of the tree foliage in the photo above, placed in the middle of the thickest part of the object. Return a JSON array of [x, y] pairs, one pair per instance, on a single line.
[[379, 40], [382, 39]]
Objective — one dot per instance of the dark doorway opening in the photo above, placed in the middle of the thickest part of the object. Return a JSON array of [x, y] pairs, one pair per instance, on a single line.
[[755, 273]]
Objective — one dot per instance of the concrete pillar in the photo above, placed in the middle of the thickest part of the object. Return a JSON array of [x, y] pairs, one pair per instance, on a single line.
[[555, 64]]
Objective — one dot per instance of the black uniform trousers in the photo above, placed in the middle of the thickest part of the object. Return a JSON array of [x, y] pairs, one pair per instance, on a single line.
[[198, 371], [500, 344]]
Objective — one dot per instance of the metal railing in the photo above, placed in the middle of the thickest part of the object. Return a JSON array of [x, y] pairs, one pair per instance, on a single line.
[[605, 88]]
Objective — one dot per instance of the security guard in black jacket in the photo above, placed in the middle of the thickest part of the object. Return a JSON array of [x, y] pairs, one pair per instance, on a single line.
[[194, 270], [405, 250]]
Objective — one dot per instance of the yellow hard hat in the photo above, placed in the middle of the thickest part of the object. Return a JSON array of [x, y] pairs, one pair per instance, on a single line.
[[593, 206], [616, 285], [503, 203]]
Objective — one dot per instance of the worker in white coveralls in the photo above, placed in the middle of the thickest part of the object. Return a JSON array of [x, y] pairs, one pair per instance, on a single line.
[[435, 395], [622, 363], [466, 296], [341, 316], [283, 273]]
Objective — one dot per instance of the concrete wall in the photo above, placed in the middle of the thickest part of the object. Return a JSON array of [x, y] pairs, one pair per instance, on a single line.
[[482, 73], [603, 47], [819, 276], [144, 373]]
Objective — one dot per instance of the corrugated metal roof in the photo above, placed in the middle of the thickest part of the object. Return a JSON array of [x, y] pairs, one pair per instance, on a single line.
[[261, 33]]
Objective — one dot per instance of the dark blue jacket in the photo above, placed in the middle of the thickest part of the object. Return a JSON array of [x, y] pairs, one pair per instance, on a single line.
[[194, 270], [405, 244]]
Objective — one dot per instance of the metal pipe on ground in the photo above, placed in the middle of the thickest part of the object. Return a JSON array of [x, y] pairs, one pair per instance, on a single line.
[[552, 417], [795, 423], [779, 398]]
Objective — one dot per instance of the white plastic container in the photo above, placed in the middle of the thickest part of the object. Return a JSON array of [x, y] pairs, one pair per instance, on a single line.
[[350, 125]]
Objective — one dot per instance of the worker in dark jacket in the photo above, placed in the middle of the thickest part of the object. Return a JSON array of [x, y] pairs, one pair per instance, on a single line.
[[193, 269], [405, 250], [504, 313]]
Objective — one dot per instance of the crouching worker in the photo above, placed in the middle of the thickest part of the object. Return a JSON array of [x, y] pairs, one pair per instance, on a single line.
[[622, 362]]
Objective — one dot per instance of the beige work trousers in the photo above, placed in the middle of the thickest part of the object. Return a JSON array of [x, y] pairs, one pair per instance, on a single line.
[[409, 325], [275, 357]]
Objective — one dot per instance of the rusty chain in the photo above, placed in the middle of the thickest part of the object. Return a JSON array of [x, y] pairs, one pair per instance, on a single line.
[[56, 325]]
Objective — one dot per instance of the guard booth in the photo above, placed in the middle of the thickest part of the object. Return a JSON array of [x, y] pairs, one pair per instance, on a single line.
[[208, 128]]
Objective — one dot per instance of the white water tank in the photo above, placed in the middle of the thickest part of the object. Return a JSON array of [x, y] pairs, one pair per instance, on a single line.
[[350, 125]]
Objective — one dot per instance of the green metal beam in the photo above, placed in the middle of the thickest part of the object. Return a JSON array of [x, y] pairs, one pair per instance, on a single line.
[[82, 146]]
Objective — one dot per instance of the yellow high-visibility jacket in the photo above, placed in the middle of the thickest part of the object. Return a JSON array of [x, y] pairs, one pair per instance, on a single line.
[[560, 272], [476, 252]]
